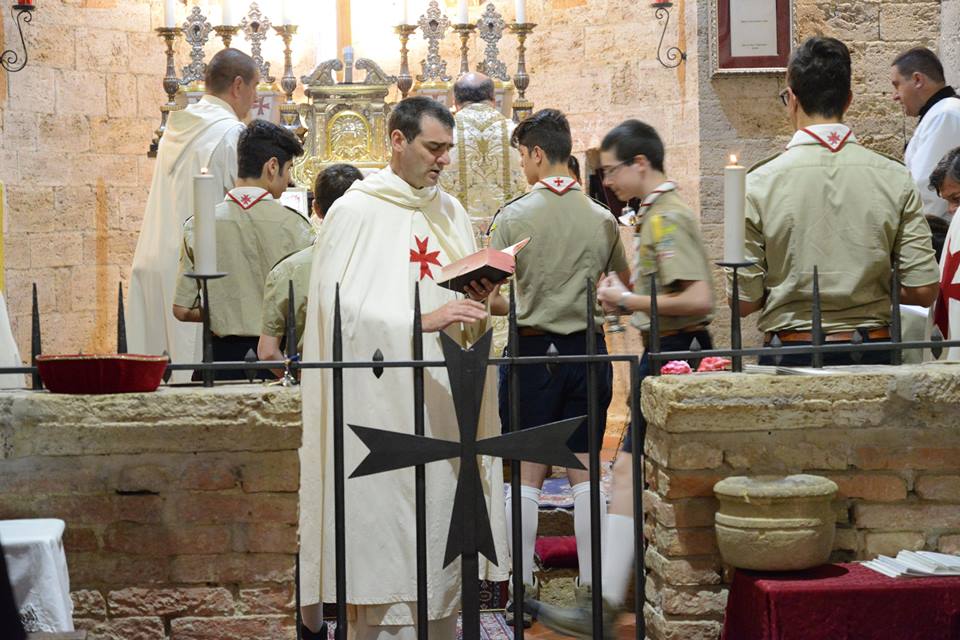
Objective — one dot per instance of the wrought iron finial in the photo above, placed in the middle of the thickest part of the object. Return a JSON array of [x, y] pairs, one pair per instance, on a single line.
[[121, 323], [490, 28], [196, 31], [256, 27], [10, 59], [433, 25], [674, 55]]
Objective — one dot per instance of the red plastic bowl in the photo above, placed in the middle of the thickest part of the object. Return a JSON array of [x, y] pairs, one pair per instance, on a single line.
[[108, 373]]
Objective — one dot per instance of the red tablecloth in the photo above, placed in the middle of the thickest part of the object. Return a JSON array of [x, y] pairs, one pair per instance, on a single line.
[[841, 602]]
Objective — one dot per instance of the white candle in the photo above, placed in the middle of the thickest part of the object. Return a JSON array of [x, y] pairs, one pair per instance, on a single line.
[[404, 13], [207, 192], [348, 64], [169, 14], [734, 207], [286, 18], [463, 15], [521, 11], [226, 9]]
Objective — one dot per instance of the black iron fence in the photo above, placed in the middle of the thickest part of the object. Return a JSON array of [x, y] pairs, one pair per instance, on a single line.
[[469, 528]]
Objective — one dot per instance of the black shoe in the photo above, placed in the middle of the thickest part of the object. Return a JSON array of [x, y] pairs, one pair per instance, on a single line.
[[306, 634]]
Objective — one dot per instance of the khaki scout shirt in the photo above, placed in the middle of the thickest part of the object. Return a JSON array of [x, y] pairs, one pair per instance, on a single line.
[[669, 245], [572, 238], [829, 202], [276, 295], [254, 232]]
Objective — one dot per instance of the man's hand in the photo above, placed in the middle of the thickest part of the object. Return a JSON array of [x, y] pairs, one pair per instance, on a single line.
[[466, 311], [479, 289], [610, 291]]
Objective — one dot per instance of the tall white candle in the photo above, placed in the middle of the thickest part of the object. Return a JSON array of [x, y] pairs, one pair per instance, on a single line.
[[226, 10], [286, 16], [169, 14], [521, 11], [404, 13], [734, 208], [463, 14], [207, 192]]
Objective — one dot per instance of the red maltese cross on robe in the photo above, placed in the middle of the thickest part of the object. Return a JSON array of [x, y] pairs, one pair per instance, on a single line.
[[948, 291], [424, 257]]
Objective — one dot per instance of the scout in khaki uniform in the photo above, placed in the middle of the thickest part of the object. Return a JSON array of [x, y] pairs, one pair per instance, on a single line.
[[669, 246], [254, 231], [572, 238], [331, 183], [828, 202]]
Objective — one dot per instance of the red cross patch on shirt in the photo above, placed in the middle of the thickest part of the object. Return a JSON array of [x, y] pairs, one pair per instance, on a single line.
[[424, 257], [559, 184]]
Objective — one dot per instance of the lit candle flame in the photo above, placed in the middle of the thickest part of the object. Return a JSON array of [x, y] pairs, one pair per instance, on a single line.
[[733, 158], [203, 170]]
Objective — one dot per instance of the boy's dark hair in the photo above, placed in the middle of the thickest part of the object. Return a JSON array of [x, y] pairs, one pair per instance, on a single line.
[[259, 142], [819, 76], [947, 167], [469, 91], [333, 182], [408, 113], [547, 129], [632, 138], [224, 67], [574, 166], [920, 59]]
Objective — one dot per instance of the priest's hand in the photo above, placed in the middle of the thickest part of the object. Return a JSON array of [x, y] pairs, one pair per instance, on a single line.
[[465, 311]]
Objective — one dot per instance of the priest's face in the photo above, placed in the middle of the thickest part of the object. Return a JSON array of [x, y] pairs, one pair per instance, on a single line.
[[907, 91], [421, 160], [950, 191]]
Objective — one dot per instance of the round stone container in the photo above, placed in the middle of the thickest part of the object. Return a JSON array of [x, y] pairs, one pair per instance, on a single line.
[[775, 523]]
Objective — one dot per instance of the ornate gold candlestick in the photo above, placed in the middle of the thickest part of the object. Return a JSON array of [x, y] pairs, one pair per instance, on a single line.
[[226, 32], [404, 79], [289, 110], [521, 106], [464, 30], [171, 83]]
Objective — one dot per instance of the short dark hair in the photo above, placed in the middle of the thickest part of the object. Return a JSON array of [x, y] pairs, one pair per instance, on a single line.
[[547, 129], [632, 138], [819, 76], [922, 60], [467, 90], [259, 142], [333, 182], [947, 167], [224, 67], [408, 113], [573, 165]]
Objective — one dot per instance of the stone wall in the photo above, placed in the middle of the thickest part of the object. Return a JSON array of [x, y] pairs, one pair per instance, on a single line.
[[181, 505], [888, 439]]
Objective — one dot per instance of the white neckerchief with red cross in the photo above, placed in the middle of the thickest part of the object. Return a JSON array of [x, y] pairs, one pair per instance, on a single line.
[[833, 137]]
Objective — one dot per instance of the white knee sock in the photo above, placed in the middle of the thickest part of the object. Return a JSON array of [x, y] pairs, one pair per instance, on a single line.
[[530, 512], [618, 558], [581, 527]]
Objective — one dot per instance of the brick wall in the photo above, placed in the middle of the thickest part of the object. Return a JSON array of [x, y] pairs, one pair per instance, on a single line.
[[889, 440], [181, 506]]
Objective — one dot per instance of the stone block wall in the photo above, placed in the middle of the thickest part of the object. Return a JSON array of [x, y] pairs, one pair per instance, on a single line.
[[180, 506], [889, 440]]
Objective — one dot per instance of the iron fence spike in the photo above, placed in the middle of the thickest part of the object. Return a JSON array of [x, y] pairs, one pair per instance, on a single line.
[[776, 343], [250, 357], [378, 357], [936, 336]]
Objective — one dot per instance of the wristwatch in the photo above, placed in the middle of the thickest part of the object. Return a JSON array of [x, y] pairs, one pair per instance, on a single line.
[[623, 298]]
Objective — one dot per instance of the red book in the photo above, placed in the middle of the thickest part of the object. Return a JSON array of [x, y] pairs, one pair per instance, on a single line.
[[492, 264]]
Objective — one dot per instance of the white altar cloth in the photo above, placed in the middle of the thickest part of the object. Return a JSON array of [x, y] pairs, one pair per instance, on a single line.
[[38, 573]]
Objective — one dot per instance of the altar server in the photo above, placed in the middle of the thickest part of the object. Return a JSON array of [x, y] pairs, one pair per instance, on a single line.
[[204, 135], [945, 181], [919, 86], [389, 232]]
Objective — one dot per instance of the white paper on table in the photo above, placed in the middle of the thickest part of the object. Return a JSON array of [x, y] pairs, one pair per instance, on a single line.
[[37, 566], [753, 28]]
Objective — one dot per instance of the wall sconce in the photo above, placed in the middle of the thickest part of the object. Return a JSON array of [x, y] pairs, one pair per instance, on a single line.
[[674, 55], [10, 59]]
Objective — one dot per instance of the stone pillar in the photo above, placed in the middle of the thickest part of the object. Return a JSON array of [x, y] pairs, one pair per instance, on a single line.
[[950, 40]]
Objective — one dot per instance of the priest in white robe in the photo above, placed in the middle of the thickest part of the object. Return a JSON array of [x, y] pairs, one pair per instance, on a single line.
[[388, 232], [204, 135], [945, 313]]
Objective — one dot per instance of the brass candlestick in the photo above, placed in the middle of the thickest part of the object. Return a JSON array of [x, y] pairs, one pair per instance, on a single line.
[[522, 107], [289, 111], [226, 32], [170, 84], [464, 30], [404, 79]]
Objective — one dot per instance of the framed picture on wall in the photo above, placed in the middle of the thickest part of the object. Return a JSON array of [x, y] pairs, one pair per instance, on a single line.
[[751, 36]]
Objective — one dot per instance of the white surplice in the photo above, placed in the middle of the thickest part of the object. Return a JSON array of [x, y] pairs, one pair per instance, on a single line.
[[204, 135], [936, 134], [378, 240], [9, 353]]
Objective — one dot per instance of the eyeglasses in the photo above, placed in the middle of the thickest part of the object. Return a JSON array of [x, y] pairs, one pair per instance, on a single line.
[[609, 171], [784, 96]]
